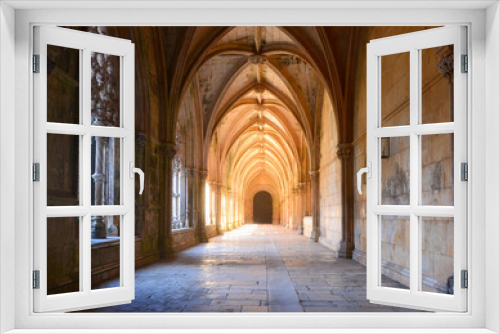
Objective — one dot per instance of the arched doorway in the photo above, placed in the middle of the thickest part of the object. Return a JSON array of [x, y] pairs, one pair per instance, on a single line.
[[263, 208]]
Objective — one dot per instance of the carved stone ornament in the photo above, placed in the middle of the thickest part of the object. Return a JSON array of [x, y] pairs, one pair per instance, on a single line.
[[140, 139], [169, 150], [257, 59], [259, 89], [260, 107], [445, 65], [344, 151], [203, 174], [313, 174]]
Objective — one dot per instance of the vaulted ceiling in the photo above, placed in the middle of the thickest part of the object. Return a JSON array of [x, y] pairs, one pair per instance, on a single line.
[[251, 96], [260, 92]]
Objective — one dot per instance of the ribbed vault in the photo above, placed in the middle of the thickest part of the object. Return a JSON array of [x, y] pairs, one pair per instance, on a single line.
[[259, 95], [240, 110]]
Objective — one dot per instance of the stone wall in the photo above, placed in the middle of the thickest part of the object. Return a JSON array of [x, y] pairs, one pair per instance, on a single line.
[[437, 188], [63, 247], [211, 231], [183, 239]]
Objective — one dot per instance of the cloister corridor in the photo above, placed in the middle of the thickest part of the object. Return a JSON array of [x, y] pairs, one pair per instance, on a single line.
[[256, 268], [234, 126]]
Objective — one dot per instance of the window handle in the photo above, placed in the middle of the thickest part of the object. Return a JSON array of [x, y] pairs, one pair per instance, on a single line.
[[368, 171], [139, 171]]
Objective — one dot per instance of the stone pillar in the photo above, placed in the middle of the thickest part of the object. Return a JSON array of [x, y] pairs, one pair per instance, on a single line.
[[295, 219], [208, 203], [301, 207], [190, 176], [201, 231], [315, 205], [98, 229], [104, 107], [218, 200], [235, 209], [165, 231], [347, 185]]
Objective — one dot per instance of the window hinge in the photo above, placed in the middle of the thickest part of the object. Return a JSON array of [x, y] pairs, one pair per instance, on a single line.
[[36, 63], [36, 172], [465, 279], [464, 173], [465, 64], [36, 279]]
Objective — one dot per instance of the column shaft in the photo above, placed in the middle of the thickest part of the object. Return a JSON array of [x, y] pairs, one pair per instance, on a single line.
[[218, 200], [347, 184], [202, 181], [99, 176], [165, 231], [315, 205]]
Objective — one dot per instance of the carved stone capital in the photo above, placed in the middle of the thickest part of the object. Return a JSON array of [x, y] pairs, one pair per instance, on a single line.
[[445, 65], [445, 58], [168, 150], [190, 172], [214, 183], [101, 140], [140, 139], [257, 59], [344, 151], [99, 177], [98, 30], [314, 174], [203, 174]]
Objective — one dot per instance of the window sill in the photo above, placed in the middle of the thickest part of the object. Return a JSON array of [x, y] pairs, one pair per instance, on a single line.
[[110, 241], [183, 230]]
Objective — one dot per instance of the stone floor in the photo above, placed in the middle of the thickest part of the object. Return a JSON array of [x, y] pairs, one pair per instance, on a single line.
[[256, 268]]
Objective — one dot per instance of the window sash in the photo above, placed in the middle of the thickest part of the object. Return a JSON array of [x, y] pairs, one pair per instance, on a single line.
[[86, 297], [414, 298]]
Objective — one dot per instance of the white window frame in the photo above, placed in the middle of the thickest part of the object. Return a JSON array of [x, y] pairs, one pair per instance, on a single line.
[[86, 44], [413, 43], [484, 211]]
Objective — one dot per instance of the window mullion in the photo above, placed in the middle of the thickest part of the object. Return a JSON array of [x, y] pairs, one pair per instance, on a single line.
[[85, 166], [414, 167]]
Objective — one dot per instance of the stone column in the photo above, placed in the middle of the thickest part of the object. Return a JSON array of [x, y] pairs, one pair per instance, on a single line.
[[201, 231], [190, 176], [301, 207], [347, 185], [104, 107], [165, 231], [208, 203], [315, 205], [98, 230], [235, 210], [230, 206], [218, 200], [295, 219]]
